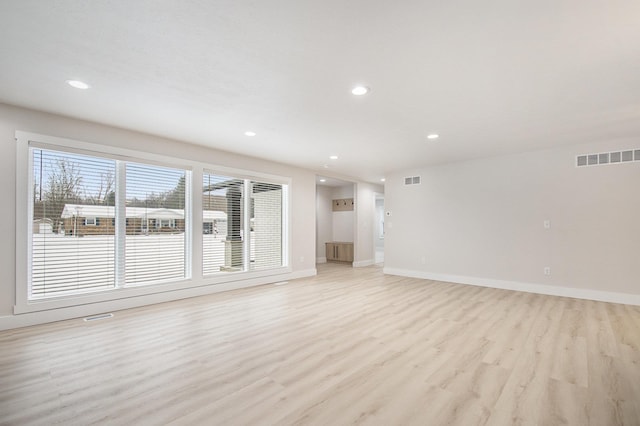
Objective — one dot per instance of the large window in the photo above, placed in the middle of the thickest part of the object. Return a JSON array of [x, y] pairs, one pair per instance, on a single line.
[[227, 214], [222, 224], [158, 194], [266, 225], [104, 223], [69, 252], [76, 211]]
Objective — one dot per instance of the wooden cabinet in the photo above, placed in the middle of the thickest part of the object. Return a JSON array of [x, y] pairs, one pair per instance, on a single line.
[[339, 252]]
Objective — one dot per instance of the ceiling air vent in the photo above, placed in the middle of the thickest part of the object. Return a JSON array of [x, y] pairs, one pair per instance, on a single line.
[[412, 180], [616, 157]]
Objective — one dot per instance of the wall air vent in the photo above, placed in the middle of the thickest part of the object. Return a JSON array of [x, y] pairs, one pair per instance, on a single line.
[[616, 157], [412, 180]]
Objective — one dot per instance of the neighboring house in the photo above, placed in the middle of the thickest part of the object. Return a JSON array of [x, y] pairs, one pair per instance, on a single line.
[[82, 219], [42, 226]]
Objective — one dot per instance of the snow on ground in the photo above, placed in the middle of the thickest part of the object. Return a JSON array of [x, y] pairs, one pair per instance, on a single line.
[[63, 264]]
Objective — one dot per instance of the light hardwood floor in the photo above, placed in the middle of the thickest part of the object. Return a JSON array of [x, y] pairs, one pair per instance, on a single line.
[[349, 346]]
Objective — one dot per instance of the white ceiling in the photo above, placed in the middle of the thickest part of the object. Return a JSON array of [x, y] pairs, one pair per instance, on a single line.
[[490, 77], [333, 182]]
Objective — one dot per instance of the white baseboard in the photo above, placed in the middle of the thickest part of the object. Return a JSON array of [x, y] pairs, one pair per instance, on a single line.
[[361, 263], [576, 293], [303, 274], [321, 260], [79, 311]]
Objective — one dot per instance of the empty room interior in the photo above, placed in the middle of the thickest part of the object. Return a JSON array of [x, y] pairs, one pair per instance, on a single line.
[[322, 213]]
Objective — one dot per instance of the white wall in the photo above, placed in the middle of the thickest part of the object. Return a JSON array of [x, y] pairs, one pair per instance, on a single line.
[[14, 118], [324, 221], [481, 222], [342, 227], [366, 223], [345, 191], [343, 222]]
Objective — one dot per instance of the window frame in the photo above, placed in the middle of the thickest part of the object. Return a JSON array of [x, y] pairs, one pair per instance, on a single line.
[[193, 214]]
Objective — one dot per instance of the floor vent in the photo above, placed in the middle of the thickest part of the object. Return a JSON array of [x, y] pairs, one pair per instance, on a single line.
[[281, 283], [98, 317], [412, 180], [615, 157]]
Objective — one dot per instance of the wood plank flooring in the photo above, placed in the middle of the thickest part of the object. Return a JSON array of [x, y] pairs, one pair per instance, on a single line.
[[350, 346]]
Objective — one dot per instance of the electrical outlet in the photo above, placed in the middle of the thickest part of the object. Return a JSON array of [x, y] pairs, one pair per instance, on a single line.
[[301, 259], [547, 270], [423, 260], [547, 224]]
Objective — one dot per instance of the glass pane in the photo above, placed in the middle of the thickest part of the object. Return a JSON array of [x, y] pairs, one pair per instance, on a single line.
[[155, 223], [222, 224], [266, 225], [72, 241]]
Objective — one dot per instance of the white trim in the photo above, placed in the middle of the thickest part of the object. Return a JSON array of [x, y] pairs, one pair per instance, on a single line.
[[576, 293], [134, 291], [121, 221], [303, 273], [321, 260], [247, 195], [362, 263], [287, 235], [194, 215], [188, 224], [24, 222], [42, 317]]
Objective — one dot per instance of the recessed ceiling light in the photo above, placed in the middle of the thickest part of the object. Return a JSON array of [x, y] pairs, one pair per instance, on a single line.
[[333, 157], [360, 90], [433, 136], [382, 180], [78, 84], [250, 133], [323, 180]]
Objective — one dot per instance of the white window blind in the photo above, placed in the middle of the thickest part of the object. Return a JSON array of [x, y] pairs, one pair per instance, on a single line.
[[72, 249], [155, 227], [222, 224], [225, 247], [73, 233], [266, 225]]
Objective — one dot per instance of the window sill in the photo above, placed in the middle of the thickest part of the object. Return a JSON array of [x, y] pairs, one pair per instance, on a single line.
[[136, 291]]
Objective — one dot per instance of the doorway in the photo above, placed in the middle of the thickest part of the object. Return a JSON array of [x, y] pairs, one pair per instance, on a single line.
[[335, 221]]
